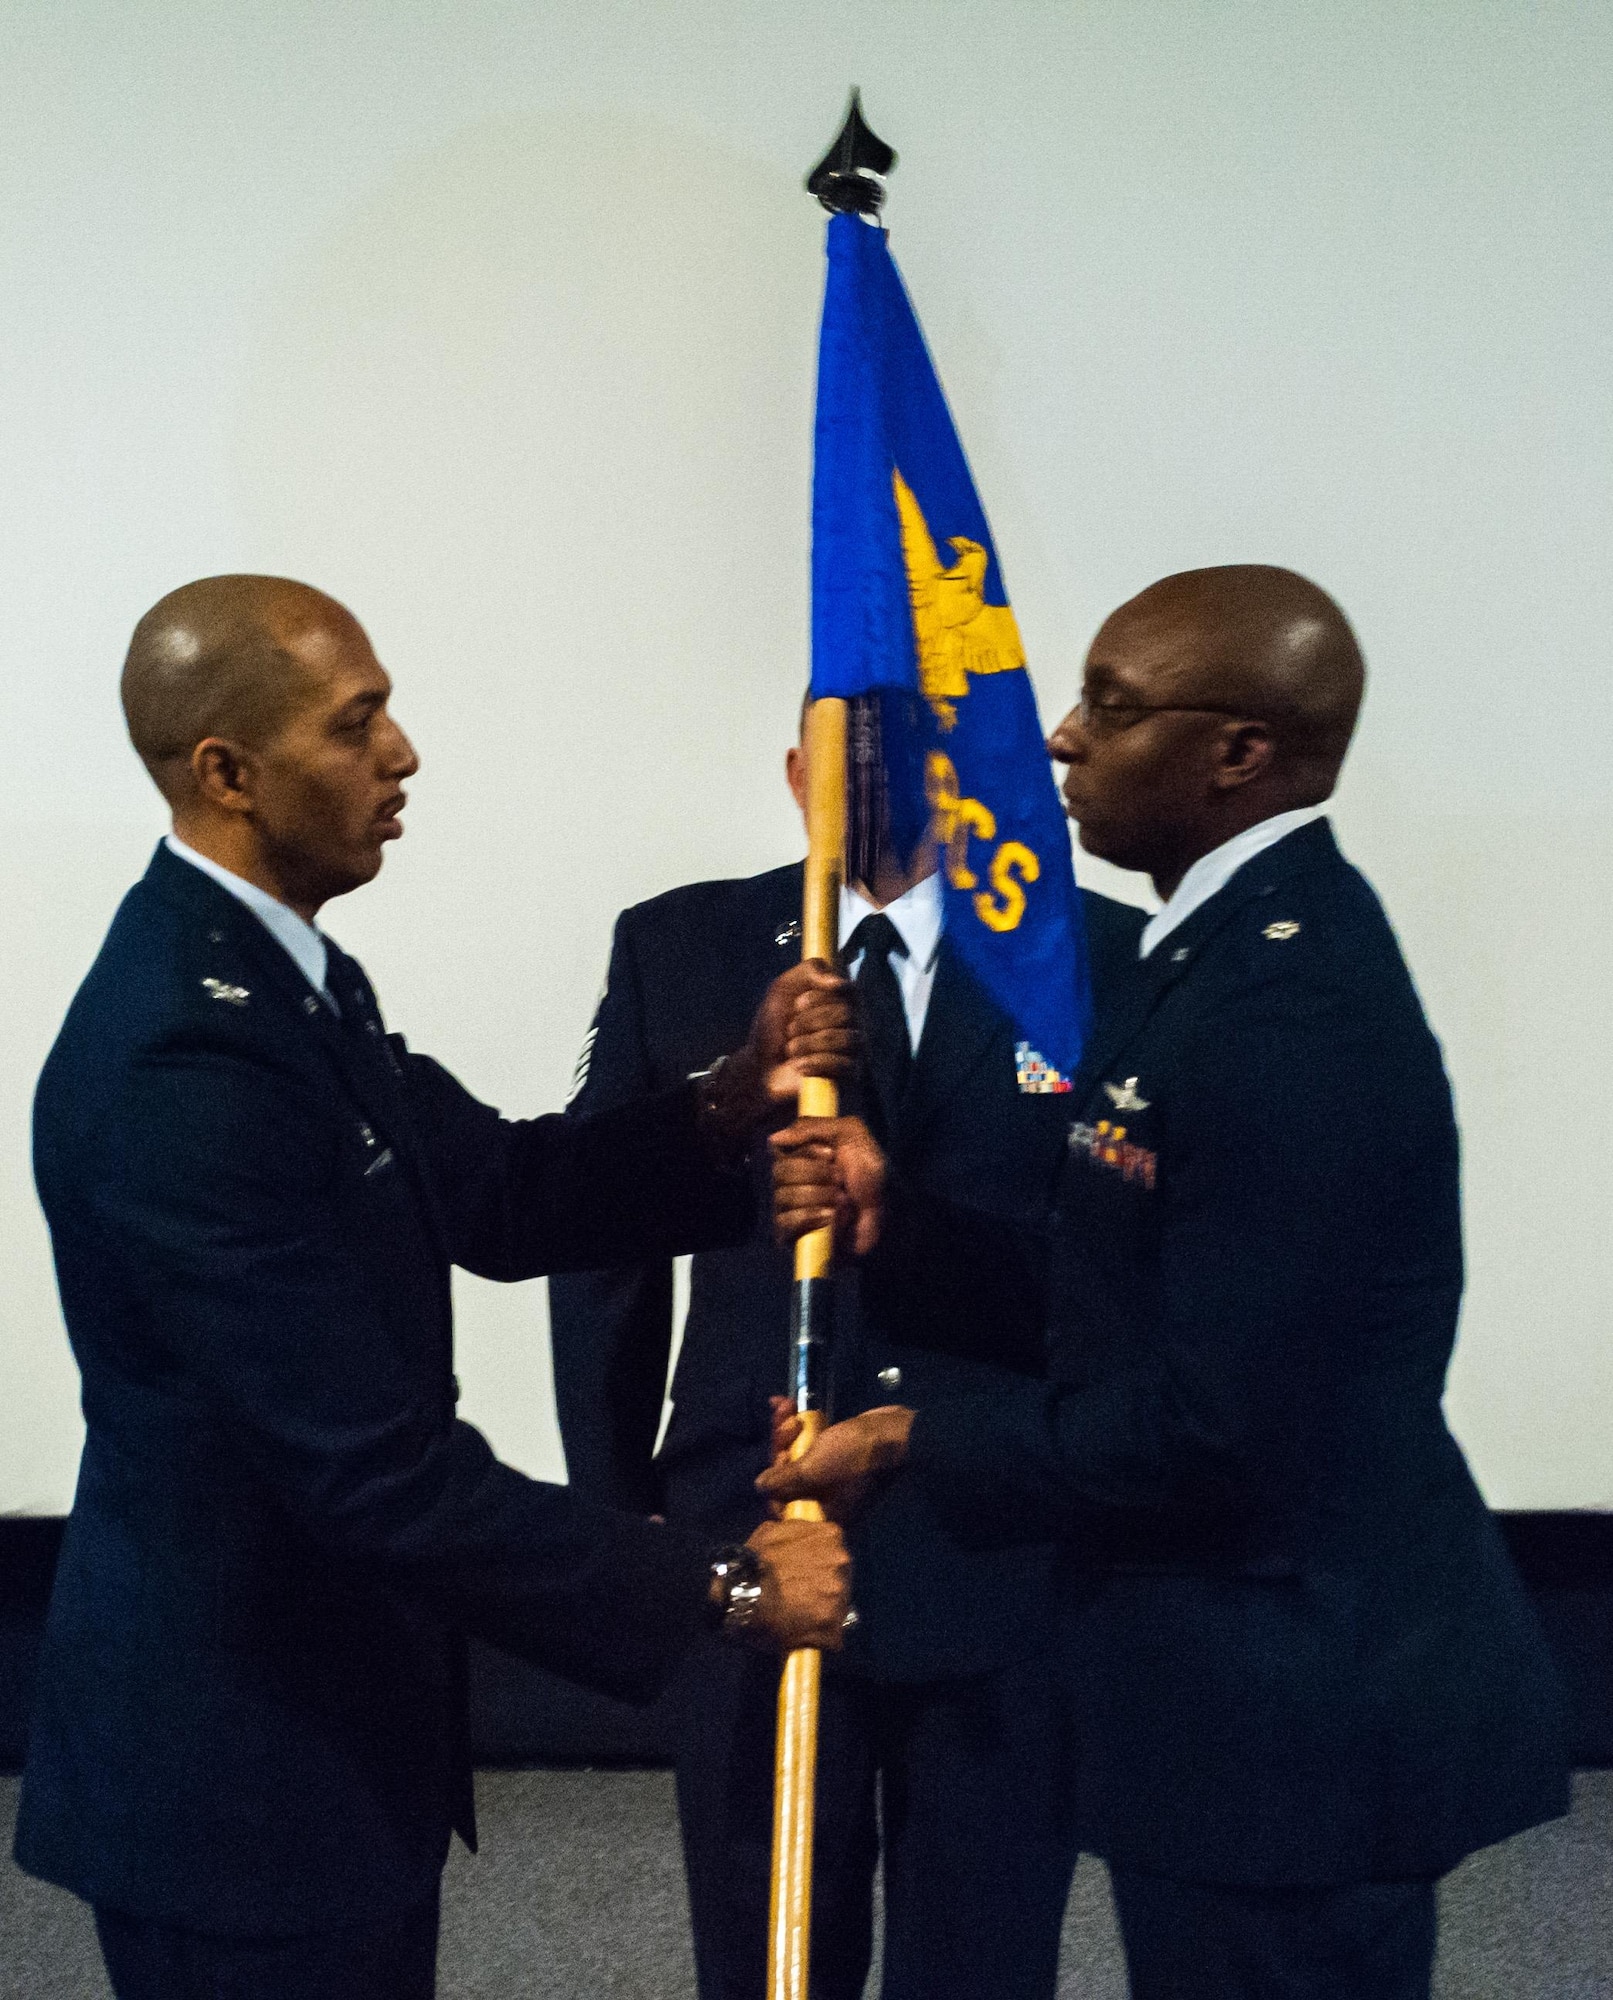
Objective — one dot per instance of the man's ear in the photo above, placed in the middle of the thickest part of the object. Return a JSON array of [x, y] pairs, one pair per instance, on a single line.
[[223, 773], [795, 773], [1244, 752]]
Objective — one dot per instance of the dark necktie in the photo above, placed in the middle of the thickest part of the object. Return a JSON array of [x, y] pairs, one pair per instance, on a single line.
[[888, 1053], [356, 1012]]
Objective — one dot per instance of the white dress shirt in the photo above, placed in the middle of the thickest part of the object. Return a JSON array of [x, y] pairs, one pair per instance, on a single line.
[[1213, 871], [917, 917], [294, 934]]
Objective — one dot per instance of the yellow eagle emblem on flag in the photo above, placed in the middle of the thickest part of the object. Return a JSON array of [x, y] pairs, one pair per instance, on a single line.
[[956, 631]]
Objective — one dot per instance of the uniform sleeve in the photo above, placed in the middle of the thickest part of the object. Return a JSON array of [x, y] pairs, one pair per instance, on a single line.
[[1272, 1185], [610, 1332], [220, 1192], [520, 1198]]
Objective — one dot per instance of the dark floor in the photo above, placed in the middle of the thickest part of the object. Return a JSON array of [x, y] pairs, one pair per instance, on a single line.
[[577, 1895]]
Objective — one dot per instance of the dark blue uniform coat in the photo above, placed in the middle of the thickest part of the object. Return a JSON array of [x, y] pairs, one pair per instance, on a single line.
[[251, 1699], [687, 971], [1296, 1650]]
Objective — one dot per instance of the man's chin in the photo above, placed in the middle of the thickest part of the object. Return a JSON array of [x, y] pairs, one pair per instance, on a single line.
[[1109, 843], [361, 866]]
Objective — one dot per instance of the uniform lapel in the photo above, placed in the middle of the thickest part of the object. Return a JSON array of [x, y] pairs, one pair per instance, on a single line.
[[960, 1030], [766, 942], [783, 919], [371, 1072], [1132, 1001], [778, 938], [355, 1046], [225, 921], [1135, 999]]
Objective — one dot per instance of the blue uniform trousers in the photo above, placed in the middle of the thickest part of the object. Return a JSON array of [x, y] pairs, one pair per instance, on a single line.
[[961, 1777], [1202, 1941], [392, 1958]]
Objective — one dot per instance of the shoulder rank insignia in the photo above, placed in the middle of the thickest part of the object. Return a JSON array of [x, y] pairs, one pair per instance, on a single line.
[[1123, 1096], [1280, 932], [219, 989]]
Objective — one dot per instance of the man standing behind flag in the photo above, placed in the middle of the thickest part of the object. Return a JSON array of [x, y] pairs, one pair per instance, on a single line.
[[935, 1734], [964, 1085]]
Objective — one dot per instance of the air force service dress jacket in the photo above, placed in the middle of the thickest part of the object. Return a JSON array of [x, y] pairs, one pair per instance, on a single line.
[[250, 1711], [1297, 1651], [916, 1322]]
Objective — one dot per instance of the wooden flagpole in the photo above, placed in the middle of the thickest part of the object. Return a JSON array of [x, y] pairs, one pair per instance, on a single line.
[[849, 179], [796, 1756]]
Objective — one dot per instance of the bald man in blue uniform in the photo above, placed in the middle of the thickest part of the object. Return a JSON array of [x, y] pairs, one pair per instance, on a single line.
[[249, 1747], [1302, 1679]]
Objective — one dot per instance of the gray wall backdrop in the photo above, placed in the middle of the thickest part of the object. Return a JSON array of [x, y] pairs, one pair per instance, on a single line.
[[497, 320]]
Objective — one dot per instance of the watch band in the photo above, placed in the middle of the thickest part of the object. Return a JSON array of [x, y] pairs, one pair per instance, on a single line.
[[737, 1572]]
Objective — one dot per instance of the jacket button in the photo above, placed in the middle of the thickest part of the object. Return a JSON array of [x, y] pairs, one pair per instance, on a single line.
[[889, 1378], [310, 1005]]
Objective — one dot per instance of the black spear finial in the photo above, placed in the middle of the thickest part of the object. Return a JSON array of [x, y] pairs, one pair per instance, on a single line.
[[850, 178]]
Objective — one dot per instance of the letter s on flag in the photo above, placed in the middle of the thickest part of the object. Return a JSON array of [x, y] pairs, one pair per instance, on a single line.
[[1012, 864]]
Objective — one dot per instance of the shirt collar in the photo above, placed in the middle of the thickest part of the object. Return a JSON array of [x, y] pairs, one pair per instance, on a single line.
[[916, 913], [293, 933], [1213, 871]]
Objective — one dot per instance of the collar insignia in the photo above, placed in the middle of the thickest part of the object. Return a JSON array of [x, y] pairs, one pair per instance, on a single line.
[[787, 933], [1123, 1096], [218, 989], [1280, 932]]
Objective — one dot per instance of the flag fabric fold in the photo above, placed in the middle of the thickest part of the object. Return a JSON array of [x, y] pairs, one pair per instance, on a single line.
[[909, 606]]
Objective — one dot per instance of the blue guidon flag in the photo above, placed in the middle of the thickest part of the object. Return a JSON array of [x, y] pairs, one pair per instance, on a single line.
[[908, 604]]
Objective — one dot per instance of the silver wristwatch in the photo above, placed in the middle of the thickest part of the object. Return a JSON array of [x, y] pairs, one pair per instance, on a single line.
[[737, 1572]]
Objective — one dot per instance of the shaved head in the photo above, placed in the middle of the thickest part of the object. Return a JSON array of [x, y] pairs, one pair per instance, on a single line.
[[259, 707], [1213, 700], [216, 658], [1255, 641]]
